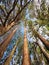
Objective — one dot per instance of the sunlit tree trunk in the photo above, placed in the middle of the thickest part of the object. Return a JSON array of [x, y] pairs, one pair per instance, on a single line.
[[44, 51], [43, 40], [7, 62], [5, 43], [26, 59], [46, 43]]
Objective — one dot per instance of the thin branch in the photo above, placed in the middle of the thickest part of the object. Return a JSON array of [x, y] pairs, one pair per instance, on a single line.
[[44, 51], [3, 11], [21, 10], [1, 20], [14, 4]]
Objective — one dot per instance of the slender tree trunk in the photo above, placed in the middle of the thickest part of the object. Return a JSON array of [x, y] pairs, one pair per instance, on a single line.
[[44, 40], [44, 51], [21, 3], [7, 61], [26, 59], [46, 43], [5, 43]]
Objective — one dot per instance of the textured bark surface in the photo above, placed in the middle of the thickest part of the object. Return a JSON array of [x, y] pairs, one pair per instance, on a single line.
[[7, 62], [4, 45], [26, 59], [44, 40], [46, 43], [44, 51]]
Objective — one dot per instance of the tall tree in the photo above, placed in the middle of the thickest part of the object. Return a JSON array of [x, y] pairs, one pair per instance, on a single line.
[[36, 34], [44, 51], [26, 59], [6, 42]]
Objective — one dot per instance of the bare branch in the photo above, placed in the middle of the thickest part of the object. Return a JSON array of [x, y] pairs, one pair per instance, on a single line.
[[3, 11], [21, 10], [1, 20], [14, 4]]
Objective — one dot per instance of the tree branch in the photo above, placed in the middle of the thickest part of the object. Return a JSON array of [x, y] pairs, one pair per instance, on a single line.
[[1, 20], [14, 4], [21, 10], [3, 11]]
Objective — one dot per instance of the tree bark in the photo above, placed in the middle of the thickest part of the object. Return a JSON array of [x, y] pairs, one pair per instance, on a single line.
[[4, 45], [26, 59], [7, 61], [46, 43], [44, 40], [44, 51]]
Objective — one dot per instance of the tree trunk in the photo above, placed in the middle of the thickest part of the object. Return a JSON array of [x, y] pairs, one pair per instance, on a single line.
[[44, 40], [46, 43], [21, 3], [26, 59], [5, 43], [44, 51], [7, 61]]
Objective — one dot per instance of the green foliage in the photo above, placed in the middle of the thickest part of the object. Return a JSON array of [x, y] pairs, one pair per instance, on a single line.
[[43, 9], [38, 49], [31, 6], [47, 26], [43, 14], [42, 22], [30, 24], [31, 28]]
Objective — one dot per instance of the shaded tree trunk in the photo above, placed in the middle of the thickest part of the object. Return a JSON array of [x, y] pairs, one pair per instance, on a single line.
[[26, 59], [21, 3]]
